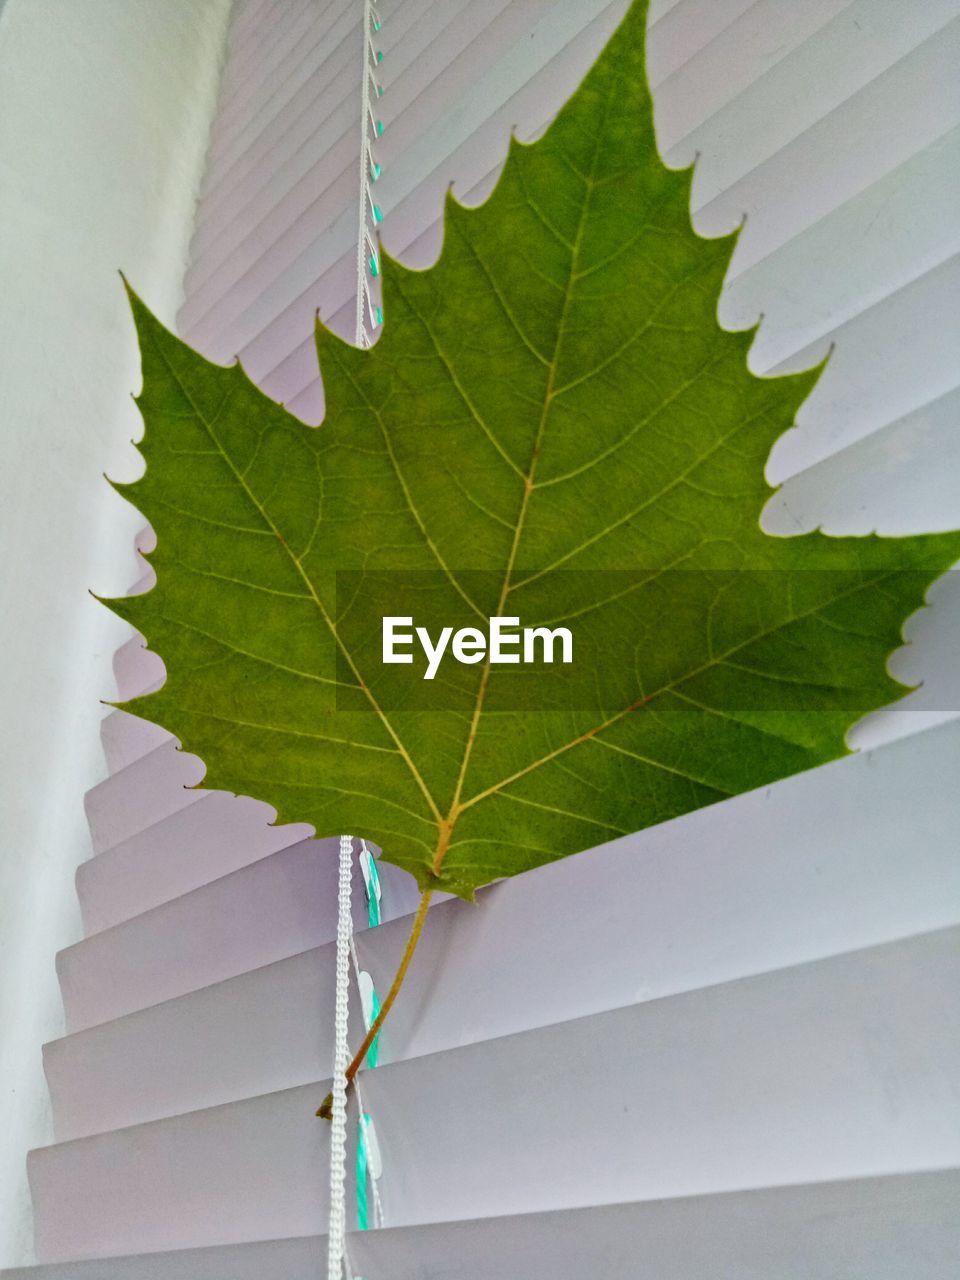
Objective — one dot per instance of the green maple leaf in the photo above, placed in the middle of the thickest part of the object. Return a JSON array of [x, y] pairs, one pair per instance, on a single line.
[[552, 426]]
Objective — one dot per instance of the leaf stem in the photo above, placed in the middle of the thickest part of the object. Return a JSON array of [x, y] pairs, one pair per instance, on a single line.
[[326, 1111]]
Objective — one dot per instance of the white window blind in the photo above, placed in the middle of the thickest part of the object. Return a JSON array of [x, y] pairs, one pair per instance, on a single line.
[[720, 1047]]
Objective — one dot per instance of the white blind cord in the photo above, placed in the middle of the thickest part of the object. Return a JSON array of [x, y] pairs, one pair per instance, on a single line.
[[367, 315], [336, 1239], [338, 1264], [361, 1109], [368, 215]]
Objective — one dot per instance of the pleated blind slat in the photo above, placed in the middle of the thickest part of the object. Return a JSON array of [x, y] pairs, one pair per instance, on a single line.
[[557, 944], [767, 1081]]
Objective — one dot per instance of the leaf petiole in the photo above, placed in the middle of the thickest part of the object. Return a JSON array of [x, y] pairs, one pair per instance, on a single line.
[[325, 1112]]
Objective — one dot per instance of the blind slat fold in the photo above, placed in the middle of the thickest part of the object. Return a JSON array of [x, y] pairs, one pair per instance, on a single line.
[[886, 1228], [718, 895], [780, 1078]]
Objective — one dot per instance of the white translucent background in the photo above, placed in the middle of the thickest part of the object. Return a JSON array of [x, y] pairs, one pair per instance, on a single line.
[[104, 116]]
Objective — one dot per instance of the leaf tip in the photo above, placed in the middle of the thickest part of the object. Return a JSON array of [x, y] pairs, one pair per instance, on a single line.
[[450, 201], [132, 296], [144, 320], [515, 144]]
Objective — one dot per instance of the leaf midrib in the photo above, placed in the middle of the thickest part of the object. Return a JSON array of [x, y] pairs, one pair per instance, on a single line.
[[575, 247]]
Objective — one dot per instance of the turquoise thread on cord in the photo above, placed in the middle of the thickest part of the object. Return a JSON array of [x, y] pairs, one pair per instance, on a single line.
[[373, 893], [371, 882], [373, 1053], [363, 1203]]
